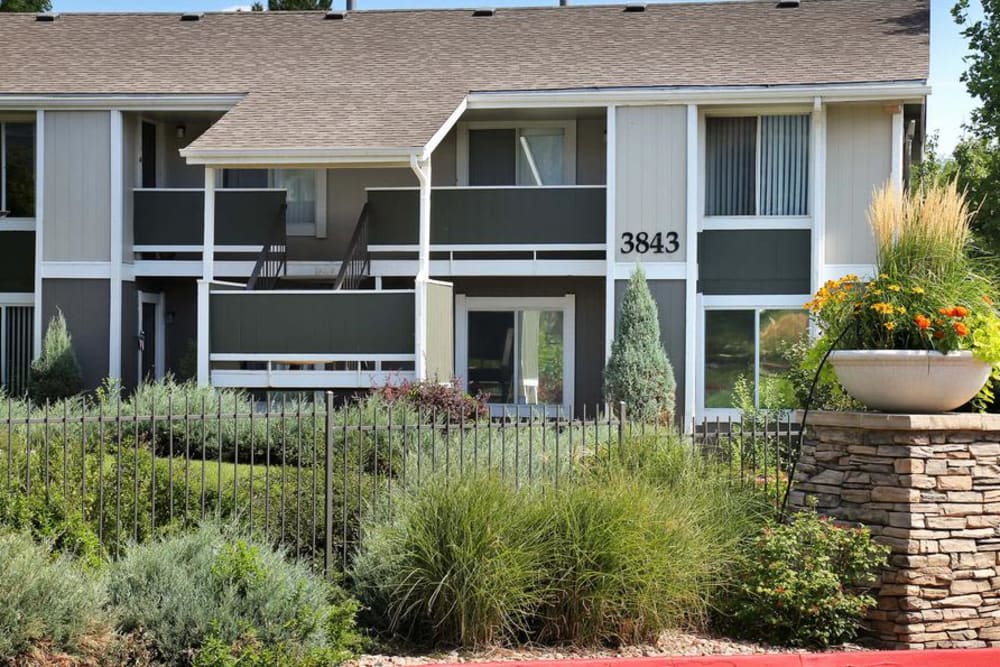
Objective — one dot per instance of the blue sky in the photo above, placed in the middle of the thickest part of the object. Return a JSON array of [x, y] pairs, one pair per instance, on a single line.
[[948, 107]]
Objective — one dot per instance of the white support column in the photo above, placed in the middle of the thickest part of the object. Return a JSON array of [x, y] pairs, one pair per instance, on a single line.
[[117, 214], [897, 148], [39, 231], [207, 276], [611, 235], [208, 236], [818, 193], [204, 376], [691, 270], [422, 169]]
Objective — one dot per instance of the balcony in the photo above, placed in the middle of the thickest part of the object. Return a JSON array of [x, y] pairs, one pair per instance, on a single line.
[[169, 225], [308, 339], [532, 229]]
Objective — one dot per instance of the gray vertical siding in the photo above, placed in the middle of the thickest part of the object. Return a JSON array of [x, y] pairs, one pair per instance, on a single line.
[[651, 176], [591, 152], [77, 186], [345, 195], [130, 163], [670, 302], [444, 166], [129, 332], [589, 343], [177, 172], [859, 159], [84, 304]]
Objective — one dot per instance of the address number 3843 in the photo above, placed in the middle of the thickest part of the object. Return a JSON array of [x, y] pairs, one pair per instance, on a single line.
[[643, 243]]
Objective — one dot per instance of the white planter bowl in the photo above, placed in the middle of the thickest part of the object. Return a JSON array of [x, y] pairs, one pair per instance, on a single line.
[[910, 380]]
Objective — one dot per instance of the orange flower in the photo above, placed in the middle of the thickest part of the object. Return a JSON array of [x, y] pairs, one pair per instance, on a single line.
[[939, 335], [987, 300], [960, 329], [959, 311], [923, 322], [945, 311]]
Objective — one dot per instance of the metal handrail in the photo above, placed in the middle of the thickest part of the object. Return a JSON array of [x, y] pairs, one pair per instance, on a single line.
[[357, 260], [273, 258]]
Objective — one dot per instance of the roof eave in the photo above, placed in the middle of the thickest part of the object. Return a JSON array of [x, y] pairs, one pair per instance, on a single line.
[[299, 157]]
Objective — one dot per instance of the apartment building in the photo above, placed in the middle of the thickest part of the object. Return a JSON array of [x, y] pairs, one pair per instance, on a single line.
[[309, 200]]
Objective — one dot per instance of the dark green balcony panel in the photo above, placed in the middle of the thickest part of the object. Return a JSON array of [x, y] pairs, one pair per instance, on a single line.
[[175, 217], [490, 216], [305, 323], [17, 261], [765, 261]]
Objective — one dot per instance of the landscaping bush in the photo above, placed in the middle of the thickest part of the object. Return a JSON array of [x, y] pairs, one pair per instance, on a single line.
[[210, 589], [47, 599], [55, 375], [458, 563], [615, 554], [638, 372], [802, 583], [436, 400]]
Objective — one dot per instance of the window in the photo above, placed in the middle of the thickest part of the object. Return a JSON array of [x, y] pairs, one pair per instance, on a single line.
[[17, 170], [517, 351], [757, 165], [538, 153], [306, 212], [747, 346], [16, 327]]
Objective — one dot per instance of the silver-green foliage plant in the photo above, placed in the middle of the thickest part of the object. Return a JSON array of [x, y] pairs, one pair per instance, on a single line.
[[46, 598], [639, 372], [188, 589], [55, 375]]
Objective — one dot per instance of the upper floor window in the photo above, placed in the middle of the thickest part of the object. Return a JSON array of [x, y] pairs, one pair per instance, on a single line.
[[525, 153], [757, 165], [17, 169]]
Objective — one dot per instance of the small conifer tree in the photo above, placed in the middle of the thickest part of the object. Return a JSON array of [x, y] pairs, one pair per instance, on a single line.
[[55, 375], [639, 373]]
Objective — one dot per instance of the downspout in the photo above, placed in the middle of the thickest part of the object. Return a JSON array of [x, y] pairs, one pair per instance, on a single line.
[[422, 169]]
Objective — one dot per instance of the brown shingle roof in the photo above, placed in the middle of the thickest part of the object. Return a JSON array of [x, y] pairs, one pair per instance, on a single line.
[[391, 78]]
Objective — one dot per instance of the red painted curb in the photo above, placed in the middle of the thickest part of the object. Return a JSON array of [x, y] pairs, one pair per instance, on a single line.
[[987, 657]]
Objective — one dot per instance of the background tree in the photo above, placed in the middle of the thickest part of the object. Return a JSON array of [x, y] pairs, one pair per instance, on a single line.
[[639, 372], [56, 373], [25, 5], [292, 5]]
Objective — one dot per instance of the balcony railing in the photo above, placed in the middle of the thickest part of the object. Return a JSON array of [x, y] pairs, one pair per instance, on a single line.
[[490, 218], [172, 220], [310, 339]]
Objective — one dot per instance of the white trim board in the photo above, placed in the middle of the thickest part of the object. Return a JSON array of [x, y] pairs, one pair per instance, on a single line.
[[84, 269], [312, 358], [653, 270], [39, 228], [159, 353], [144, 102], [306, 379], [17, 299], [701, 95], [756, 222], [497, 268]]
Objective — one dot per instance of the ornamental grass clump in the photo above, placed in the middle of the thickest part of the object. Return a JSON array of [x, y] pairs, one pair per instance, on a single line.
[[931, 291]]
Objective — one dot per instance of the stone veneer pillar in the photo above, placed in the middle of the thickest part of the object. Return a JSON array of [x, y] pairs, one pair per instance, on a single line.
[[929, 487]]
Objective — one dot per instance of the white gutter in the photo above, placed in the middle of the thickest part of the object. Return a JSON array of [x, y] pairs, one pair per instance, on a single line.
[[145, 102], [269, 157], [443, 131], [597, 97]]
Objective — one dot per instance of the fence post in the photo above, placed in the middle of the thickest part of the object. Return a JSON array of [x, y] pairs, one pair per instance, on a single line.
[[328, 487], [621, 430]]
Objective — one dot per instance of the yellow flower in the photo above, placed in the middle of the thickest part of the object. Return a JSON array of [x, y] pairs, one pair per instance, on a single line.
[[877, 292], [883, 276], [883, 308], [917, 290], [889, 326], [895, 288], [901, 310]]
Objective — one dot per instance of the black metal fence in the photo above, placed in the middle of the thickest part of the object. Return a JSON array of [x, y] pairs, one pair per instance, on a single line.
[[303, 473]]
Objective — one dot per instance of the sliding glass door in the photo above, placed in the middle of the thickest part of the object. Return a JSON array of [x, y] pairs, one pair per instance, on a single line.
[[518, 352]]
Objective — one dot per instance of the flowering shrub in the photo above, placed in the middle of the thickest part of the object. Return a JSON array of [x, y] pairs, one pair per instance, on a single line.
[[800, 583], [445, 401], [931, 292], [888, 313]]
